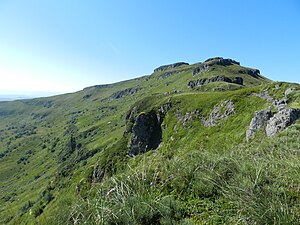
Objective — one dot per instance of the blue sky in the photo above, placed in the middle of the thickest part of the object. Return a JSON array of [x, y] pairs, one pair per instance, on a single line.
[[66, 45]]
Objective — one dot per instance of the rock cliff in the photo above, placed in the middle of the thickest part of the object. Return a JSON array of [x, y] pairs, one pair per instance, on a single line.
[[146, 133], [202, 81]]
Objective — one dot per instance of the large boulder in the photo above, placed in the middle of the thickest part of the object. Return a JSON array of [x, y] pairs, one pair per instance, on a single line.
[[146, 133], [281, 120], [258, 121]]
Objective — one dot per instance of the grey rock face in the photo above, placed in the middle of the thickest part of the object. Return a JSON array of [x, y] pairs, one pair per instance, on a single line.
[[214, 61], [252, 72], [200, 82], [279, 104], [264, 95], [165, 108], [185, 119], [165, 75], [238, 80], [258, 121], [124, 93], [200, 69], [281, 120], [170, 66], [219, 113], [146, 133], [171, 73], [220, 61]]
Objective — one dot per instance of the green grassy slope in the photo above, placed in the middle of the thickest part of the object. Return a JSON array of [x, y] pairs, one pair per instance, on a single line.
[[64, 159]]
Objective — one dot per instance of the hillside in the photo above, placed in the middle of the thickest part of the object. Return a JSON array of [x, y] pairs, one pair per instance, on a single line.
[[206, 143]]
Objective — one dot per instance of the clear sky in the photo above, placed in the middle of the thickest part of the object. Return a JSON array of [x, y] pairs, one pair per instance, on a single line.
[[66, 45]]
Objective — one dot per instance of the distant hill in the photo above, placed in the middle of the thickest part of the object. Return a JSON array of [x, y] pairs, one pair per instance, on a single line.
[[25, 95], [207, 143], [14, 97]]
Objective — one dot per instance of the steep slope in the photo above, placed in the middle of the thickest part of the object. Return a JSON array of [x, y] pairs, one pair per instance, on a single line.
[[69, 158]]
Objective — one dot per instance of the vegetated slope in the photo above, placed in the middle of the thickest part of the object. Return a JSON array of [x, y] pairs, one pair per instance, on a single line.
[[161, 149]]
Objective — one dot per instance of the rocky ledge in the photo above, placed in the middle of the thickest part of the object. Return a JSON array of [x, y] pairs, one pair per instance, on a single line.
[[252, 72], [220, 61], [124, 93], [170, 66], [214, 61], [202, 81]]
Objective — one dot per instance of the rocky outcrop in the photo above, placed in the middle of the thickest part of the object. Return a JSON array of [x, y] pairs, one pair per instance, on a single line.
[[277, 122], [259, 120], [146, 133], [200, 69], [219, 113], [202, 81], [281, 120], [224, 62], [264, 95], [170, 66], [124, 93], [252, 72], [185, 119], [171, 73], [279, 104], [213, 61], [165, 108], [238, 80], [165, 75], [220, 61]]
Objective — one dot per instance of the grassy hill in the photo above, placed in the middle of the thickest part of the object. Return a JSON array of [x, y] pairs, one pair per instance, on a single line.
[[67, 159]]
